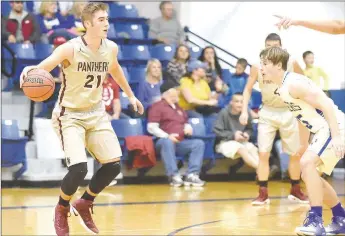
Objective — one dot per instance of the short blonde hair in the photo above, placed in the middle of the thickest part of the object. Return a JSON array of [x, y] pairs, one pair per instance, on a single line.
[[44, 7], [77, 8], [90, 9], [150, 63], [275, 55]]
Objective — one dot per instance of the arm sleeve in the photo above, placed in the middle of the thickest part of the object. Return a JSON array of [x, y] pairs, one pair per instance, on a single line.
[[4, 32], [153, 128], [249, 127]]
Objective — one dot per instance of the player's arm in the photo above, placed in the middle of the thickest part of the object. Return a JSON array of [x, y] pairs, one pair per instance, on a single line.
[[247, 93], [297, 68], [116, 72], [326, 26], [61, 53], [315, 97]]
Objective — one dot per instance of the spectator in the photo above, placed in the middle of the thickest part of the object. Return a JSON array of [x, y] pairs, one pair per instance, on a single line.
[[166, 29], [148, 91], [232, 138], [240, 74], [53, 24], [77, 8], [169, 123], [177, 67], [196, 97], [111, 99], [313, 72], [64, 7], [20, 26]]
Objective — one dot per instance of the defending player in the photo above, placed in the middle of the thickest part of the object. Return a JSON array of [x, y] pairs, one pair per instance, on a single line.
[[274, 116], [80, 119], [319, 117]]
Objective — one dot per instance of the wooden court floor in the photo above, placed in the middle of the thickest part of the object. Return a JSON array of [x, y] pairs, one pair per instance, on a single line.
[[220, 208]]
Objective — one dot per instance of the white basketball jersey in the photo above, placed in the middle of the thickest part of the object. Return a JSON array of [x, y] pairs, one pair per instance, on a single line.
[[83, 78], [310, 117]]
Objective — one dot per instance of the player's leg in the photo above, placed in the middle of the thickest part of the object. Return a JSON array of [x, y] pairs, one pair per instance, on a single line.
[[103, 144], [290, 142], [313, 224], [266, 135], [72, 138]]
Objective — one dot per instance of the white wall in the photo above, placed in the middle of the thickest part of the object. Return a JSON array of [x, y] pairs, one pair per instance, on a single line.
[[242, 27]]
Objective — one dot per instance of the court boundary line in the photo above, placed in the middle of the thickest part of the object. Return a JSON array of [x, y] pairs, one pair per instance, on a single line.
[[150, 203]]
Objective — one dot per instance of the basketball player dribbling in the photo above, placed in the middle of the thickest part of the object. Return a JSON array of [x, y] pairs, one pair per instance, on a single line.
[[337, 225], [274, 115], [317, 116], [79, 117]]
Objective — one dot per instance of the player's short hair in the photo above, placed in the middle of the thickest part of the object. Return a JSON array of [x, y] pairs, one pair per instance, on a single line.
[[306, 53], [273, 37], [276, 55], [243, 62], [90, 9]]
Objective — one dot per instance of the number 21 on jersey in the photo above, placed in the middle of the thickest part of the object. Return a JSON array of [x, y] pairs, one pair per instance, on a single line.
[[90, 79]]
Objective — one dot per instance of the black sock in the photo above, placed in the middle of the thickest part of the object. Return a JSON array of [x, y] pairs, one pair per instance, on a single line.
[[87, 196], [63, 202], [294, 182], [263, 183]]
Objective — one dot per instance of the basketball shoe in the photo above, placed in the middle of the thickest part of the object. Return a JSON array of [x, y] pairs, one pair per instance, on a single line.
[[337, 226], [297, 195], [262, 199], [82, 208], [60, 220], [312, 225]]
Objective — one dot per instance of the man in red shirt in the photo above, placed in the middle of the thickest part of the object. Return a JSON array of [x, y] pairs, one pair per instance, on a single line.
[[169, 123], [111, 99]]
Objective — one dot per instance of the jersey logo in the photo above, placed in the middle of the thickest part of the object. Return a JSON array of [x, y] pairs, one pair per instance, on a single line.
[[293, 107]]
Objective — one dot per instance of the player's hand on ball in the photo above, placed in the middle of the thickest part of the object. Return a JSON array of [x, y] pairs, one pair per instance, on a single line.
[[25, 72], [244, 118], [338, 147], [284, 22], [137, 106]]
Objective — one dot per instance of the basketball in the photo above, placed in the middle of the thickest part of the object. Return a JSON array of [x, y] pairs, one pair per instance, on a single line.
[[39, 85]]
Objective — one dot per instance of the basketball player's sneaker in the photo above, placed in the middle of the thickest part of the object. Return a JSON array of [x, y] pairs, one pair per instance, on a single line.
[[312, 225], [176, 181], [60, 220], [337, 226], [194, 180], [262, 199], [82, 208], [297, 195]]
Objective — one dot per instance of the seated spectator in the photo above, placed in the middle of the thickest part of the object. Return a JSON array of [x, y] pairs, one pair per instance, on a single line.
[[240, 73], [148, 91], [196, 97], [169, 123], [20, 26], [166, 29], [63, 7], [315, 73], [232, 138], [111, 99], [53, 24], [77, 8], [177, 67], [213, 71]]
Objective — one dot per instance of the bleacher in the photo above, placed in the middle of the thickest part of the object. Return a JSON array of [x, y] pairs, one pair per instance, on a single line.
[[40, 159]]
